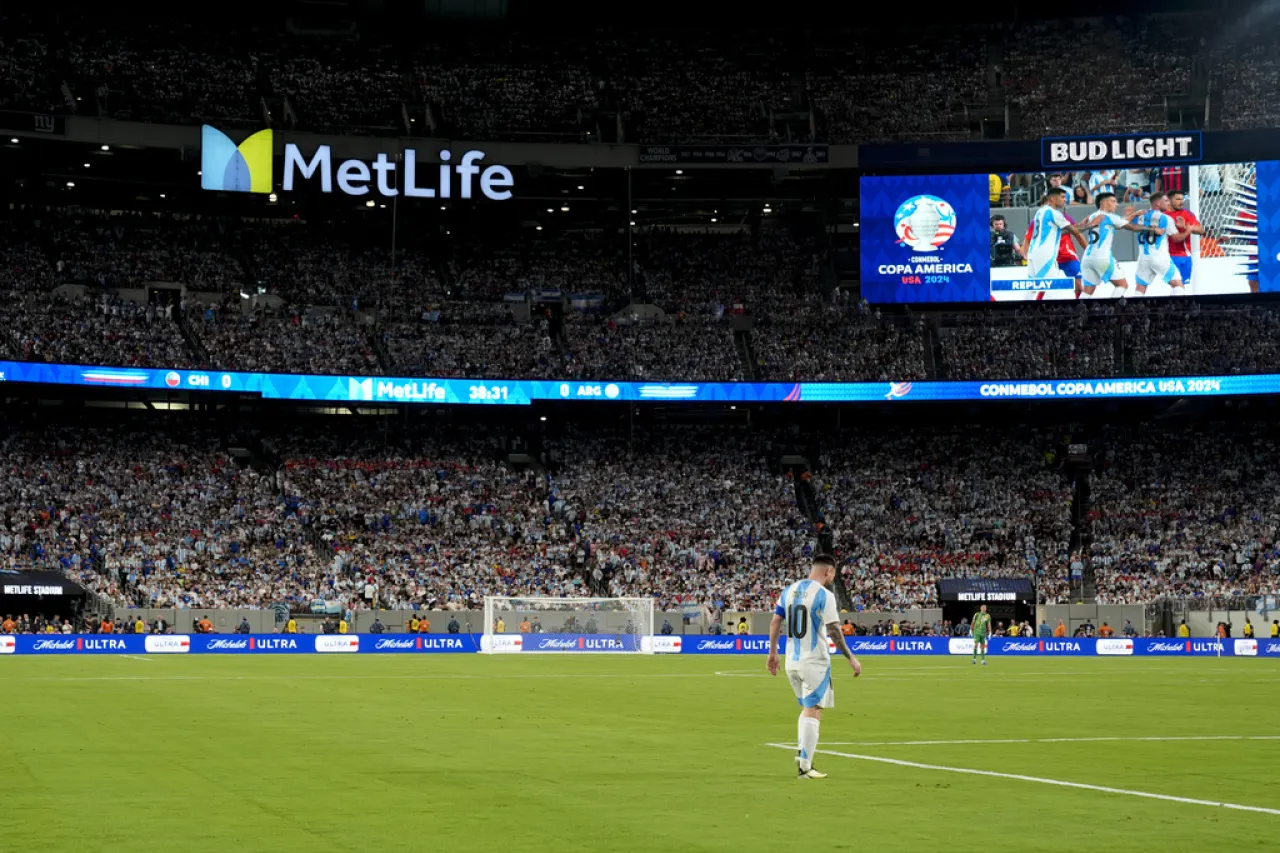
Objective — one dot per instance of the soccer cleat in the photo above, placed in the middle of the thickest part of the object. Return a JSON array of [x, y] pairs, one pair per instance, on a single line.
[[984, 663], [811, 773]]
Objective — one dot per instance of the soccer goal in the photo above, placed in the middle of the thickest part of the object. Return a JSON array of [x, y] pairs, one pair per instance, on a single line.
[[1224, 198], [613, 625]]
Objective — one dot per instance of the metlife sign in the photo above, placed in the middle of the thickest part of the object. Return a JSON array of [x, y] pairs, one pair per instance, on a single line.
[[249, 167], [1134, 150], [355, 176]]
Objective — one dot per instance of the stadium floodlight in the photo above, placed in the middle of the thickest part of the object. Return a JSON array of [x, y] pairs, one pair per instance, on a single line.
[[565, 625]]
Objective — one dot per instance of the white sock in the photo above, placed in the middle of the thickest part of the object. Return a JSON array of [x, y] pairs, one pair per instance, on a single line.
[[808, 741]]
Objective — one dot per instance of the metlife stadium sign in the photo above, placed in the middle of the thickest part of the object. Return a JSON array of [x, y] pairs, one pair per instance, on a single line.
[[688, 644], [249, 167]]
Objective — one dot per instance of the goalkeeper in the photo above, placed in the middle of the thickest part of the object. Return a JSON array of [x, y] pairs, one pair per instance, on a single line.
[[981, 629]]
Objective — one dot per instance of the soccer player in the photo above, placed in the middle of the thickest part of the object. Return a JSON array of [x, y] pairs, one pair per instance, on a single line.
[[1180, 246], [1068, 259], [808, 611], [981, 629], [1154, 263], [1099, 263], [1048, 224]]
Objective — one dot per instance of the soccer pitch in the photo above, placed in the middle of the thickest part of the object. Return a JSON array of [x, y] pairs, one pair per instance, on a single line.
[[596, 753]]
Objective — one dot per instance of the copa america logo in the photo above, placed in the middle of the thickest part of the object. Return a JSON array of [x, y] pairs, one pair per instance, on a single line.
[[924, 222]]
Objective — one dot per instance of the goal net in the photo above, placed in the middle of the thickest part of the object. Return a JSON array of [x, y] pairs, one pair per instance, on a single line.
[[612, 625], [1224, 198]]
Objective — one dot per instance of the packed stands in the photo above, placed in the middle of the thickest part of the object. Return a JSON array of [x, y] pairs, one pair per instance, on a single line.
[[1185, 511], [695, 516], [647, 86]]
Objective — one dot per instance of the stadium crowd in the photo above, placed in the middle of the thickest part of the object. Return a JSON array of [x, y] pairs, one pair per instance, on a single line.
[[1196, 522], [696, 518], [641, 85]]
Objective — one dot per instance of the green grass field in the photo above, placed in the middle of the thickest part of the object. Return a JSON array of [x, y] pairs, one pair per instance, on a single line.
[[461, 753]]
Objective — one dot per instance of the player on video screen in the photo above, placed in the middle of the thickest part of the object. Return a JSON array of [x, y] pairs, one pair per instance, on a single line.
[[1068, 258], [1048, 226], [1154, 263], [1179, 245], [1099, 264]]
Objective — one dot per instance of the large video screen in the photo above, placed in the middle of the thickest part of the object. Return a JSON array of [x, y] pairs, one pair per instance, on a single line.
[[1094, 234]]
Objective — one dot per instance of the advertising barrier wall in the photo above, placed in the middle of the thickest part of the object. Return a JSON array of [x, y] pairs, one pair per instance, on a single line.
[[390, 389], [688, 644]]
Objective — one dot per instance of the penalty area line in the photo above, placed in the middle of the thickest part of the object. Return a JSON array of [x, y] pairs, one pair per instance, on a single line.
[[1017, 777], [138, 657]]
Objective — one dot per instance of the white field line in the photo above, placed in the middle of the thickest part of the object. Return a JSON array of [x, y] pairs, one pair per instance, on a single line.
[[138, 657], [1044, 740], [1017, 777]]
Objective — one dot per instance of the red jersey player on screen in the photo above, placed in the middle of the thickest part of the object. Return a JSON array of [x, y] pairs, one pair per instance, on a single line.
[[1180, 244]]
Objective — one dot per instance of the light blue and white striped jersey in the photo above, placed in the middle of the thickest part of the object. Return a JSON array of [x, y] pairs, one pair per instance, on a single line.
[[1156, 246], [1101, 181], [1101, 235], [807, 608], [1046, 234]]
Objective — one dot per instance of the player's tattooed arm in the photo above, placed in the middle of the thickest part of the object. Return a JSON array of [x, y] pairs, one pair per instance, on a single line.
[[833, 631]]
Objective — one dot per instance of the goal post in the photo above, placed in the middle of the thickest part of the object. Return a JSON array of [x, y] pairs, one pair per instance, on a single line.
[[567, 625]]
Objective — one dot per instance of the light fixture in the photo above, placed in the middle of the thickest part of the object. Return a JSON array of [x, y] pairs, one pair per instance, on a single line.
[[272, 198], [733, 408], [443, 207], [713, 219], [581, 187], [543, 418], [86, 165], [768, 209], [199, 172], [162, 195], [551, 210], [14, 140], [369, 203], [634, 212], [106, 148], [382, 207], [71, 184], [679, 171], [564, 208], [539, 228], [633, 222]]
